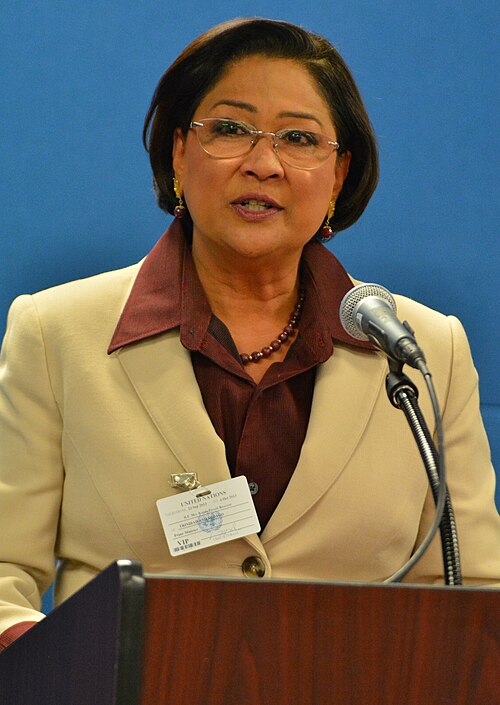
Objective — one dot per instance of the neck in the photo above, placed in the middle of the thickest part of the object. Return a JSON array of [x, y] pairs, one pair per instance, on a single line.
[[255, 301], [249, 287]]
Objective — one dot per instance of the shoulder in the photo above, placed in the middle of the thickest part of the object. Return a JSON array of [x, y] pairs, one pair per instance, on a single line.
[[90, 306], [407, 307], [444, 342], [101, 291], [446, 347], [442, 335], [107, 285], [430, 326]]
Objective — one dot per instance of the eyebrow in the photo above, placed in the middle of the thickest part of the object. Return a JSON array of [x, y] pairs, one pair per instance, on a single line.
[[305, 116], [236, 104], [252, 109]]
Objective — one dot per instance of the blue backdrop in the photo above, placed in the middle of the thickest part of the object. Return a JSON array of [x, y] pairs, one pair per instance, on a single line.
[[76, 197]]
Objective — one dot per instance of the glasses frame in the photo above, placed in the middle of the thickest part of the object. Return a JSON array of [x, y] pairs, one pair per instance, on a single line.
[[258, 134]]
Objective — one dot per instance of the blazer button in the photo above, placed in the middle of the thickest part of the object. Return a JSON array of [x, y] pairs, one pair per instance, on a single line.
[[253, 487], [253, 567]]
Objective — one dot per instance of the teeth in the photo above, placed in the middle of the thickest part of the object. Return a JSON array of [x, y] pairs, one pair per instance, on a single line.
[[254, 205]]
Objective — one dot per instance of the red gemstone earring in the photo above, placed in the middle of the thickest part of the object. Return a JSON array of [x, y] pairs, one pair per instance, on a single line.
[[180, 208], [326, 231]]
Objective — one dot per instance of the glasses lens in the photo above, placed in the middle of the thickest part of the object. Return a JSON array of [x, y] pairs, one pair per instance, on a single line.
[[304, 149], [224, 138]]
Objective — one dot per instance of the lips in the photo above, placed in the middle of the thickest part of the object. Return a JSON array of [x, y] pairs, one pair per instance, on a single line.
[[255, 206], [257, 201]]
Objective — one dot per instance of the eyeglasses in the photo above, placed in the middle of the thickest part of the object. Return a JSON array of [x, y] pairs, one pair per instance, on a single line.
[[224, 139]]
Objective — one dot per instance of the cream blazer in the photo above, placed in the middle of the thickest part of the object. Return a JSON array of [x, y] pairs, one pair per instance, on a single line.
[[89, 440]]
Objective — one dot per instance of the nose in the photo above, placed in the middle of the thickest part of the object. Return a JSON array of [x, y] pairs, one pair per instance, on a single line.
[[263, 161]]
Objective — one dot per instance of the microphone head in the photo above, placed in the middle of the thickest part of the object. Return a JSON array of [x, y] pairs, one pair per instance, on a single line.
[[350, 304]]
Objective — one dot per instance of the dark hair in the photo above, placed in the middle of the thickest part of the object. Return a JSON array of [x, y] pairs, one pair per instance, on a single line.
[[200, 66]]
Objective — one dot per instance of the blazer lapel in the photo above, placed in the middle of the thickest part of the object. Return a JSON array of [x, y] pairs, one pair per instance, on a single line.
[[162, 375], [347, 386]]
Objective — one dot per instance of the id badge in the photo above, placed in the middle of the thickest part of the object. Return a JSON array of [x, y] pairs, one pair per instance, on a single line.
[[207, 516]]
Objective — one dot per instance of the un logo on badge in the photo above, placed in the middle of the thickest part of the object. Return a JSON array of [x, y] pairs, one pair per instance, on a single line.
[[210, 521]]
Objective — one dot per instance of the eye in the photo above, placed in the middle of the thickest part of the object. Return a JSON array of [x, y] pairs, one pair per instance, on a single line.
[[299, 138], [228, 128]]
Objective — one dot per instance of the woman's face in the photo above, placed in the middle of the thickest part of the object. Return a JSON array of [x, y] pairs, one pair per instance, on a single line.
[[270, 95]]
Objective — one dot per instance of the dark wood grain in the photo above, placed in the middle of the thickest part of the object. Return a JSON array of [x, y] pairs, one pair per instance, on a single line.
[[270, 643], [251, 642]]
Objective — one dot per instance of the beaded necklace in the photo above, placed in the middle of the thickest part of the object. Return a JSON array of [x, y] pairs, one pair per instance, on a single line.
[[286, 334]]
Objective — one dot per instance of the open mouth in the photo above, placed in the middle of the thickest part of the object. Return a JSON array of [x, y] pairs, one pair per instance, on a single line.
[[254, 205]]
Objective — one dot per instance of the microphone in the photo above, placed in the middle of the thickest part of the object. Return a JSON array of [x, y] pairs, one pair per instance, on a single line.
[[368, 312]]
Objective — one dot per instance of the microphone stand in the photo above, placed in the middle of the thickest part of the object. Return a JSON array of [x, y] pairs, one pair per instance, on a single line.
[[403, 394]]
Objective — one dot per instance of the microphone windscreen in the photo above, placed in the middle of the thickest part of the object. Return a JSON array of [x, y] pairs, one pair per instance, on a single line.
[[350, 304]]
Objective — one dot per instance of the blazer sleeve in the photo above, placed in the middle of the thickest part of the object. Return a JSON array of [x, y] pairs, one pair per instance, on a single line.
[[31, 468], [470, 478]]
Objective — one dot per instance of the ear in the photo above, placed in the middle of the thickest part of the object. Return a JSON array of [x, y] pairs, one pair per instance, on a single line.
[[178, 151], [341, 171]]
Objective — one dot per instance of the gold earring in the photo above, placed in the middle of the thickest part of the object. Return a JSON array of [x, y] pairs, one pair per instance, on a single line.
[[326, 231], [180, 208]]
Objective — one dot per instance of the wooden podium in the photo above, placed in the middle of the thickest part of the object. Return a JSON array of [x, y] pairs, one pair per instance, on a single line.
[[126, 639]]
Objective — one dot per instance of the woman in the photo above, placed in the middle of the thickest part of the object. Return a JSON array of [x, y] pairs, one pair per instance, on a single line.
[[222, 354]]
